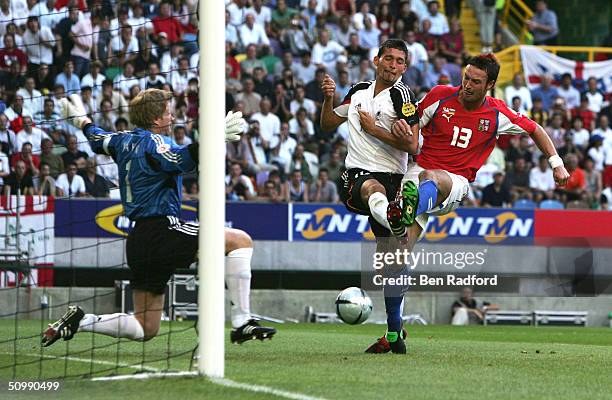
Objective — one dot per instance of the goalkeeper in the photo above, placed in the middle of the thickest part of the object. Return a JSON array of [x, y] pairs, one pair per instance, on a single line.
[[150, 168]]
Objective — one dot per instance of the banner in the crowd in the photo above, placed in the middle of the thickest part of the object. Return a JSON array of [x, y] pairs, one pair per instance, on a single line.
[[103, 218], [573, 228], [537, 62], [27, 231], [334, 223]]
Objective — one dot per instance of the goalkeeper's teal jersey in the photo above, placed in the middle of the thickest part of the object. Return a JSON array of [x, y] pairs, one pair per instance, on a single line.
[[150, 168]]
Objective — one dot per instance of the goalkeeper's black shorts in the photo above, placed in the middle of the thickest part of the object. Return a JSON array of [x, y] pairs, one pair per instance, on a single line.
[[156, 247]]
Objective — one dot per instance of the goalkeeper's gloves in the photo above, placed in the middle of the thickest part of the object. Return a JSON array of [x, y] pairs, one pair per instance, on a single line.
[[73, 111], [234, 126]]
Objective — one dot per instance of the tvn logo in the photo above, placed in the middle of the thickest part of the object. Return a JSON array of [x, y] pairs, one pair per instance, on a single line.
[[493, 229], [326, 223]]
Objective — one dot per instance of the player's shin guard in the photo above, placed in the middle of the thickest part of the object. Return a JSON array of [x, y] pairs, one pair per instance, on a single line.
[[116, 325], [394, 299], [238, 279], [428, 195], [378, 204]]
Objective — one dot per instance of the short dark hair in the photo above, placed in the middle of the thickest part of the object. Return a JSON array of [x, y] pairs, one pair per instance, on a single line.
[[486, 62], [393, 44], [566, 75]]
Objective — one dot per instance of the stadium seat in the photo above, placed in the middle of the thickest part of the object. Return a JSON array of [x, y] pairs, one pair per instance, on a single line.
[[551, 205], [525, 204]]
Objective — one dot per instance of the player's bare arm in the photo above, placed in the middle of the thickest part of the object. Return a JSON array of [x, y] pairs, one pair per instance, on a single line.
[[407, 133], [368, 124], [329, 119], [546, 146]]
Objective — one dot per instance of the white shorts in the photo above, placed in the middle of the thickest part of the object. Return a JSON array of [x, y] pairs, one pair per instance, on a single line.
[[459, 190]]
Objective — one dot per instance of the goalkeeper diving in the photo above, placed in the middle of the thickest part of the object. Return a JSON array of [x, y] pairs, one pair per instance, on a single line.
[[150, 182]]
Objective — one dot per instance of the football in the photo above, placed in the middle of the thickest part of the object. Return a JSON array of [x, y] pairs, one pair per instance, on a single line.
[[353, 305]]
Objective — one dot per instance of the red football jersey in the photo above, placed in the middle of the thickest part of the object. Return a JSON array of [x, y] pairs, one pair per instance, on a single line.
[[460, 141]]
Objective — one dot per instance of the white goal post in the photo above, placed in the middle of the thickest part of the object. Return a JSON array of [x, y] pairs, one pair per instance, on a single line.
[[211, 297]]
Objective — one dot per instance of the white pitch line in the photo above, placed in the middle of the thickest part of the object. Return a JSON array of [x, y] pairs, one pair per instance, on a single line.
[[263, 389], [157, 373]]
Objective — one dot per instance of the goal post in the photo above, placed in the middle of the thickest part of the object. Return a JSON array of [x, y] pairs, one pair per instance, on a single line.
[[211, 297]]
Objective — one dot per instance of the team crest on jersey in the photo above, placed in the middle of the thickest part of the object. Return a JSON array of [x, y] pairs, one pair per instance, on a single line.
[[162, 148], [408, 109], [483, 125], [447, 113]]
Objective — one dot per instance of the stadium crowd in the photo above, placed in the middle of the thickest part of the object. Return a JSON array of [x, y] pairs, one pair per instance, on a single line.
[[277, 53]]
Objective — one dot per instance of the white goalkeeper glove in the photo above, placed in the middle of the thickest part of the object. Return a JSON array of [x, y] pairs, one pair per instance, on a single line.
[[73, 111], [234, 126]]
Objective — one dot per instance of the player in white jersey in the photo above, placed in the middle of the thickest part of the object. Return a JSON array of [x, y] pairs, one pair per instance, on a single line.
[[377, 159]]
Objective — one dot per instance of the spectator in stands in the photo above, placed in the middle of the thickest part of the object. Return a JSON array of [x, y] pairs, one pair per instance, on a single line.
[[7, 137], [262, 13], [596, 151], [342, 7], [52, 160], [15, 114], [81, 35], [179, 79], [270, 193], [594, 183], [301, 101], [44, 79], [281, 17], [569, 147], [32, 161], [106, 118], [323, 190], [102, 37], [603, 128], [180, 136], [5, 169], [594, 95], [125, 46], [301, 127], [569, 93], [384, 19], [9, 55], [486, 19], [237, 185], [48, 120], [252, 33], [305, 70], [451, 43], [280, 103], [541, 181], [519, 89], [313, 88], [583, 111], [581, 136], [543, 25], [19, 180], [358, 19], [520, 148], [334, 166], [154, 79], [496, 194], [369, 35], [343, 31], [545, 91], [32, 98], [237, 10], [124, 81], [95, 185], [432, 76], [296, 188], [262, 85], [72, 155], [429, 40], [44, 184], [283, 149], [555, 130], [365, 72], [439, 23], [47, 13], [268, 122], [537, 112], [326, 51], [62, 30], [68, 79], [30, 134], [70, 184], [576, 184], [517, 180], [467, 310], [165, 23]]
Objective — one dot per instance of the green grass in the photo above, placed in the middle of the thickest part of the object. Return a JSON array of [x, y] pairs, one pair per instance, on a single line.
[[326, 361]]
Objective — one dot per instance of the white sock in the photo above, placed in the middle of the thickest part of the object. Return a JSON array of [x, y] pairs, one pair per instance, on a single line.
[[116, 325], [238, 279], [378, 204]]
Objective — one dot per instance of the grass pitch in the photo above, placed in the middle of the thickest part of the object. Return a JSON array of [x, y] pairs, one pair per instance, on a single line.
[[327, 361]]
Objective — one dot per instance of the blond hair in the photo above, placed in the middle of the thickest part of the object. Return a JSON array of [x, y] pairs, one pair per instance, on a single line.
[[147, 106]]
